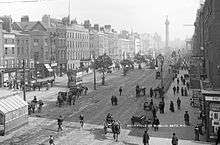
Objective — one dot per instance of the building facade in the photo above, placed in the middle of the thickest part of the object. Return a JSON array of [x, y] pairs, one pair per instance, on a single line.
[[77, 43]]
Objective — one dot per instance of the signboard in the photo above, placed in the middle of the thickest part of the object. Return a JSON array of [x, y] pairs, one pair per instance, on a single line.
[[209, 98]]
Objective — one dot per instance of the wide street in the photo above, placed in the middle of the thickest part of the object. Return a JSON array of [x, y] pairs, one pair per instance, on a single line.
[[95, 107]]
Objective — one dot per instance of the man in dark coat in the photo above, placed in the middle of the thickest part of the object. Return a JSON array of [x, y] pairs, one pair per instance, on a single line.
[[146, 138], [120, 91], [137, 90], [174, 90], [60, 122], [151, 92], [161, 107], [174, 139], [156, 122], [171, 106], [178, 103], [182, 91], [186, 118], [177, 89]]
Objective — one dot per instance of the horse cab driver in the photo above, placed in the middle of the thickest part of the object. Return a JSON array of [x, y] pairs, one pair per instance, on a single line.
[[109, 118]]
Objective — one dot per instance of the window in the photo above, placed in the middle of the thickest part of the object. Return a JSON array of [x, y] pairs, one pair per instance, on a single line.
[[6, 41], [36, 42], [13, 41], [12, 63], [13, 50], [6, 50], [18, 42]]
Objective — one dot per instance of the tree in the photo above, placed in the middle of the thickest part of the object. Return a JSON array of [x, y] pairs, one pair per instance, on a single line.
[[139, 59], [103, 63]]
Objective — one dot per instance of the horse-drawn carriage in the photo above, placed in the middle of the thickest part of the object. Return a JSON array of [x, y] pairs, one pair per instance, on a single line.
[[110, 123], [70, 96], [143, 120]]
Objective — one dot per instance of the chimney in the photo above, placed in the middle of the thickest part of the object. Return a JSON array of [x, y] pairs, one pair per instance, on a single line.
[[25, 18], [108, 27], [102, 29], [87, 24], [96, 27]]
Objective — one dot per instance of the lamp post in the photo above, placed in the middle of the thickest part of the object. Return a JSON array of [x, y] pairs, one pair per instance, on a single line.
[[52, 38], [24, 85], [94, 72]]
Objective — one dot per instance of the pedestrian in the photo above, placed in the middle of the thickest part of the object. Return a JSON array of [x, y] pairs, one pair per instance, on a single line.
[[120, 91], [186, 118], [60, 122], [146, 138], [137, 90], [35, 99], [151, 92], [86, 89], [178, 103], [40, 102], [184, 82], [161, 107], [185, 92], [112, 100], [174, 90], [174, 139], [51, 140], [196, 130], [171, 106], [187, 85], [177, 89], [178, 81], [181, 79], [182, 91], [218, 137], [151, 104], [154, 112], [156, 122]]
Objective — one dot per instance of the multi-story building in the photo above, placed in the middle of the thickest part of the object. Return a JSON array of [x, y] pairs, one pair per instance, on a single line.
[[103, 42], [40, 50], [94, 43], [77, 42], [123, 48], [206, 52]]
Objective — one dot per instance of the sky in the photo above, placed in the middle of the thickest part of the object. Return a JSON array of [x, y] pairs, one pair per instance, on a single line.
[[142, 16]]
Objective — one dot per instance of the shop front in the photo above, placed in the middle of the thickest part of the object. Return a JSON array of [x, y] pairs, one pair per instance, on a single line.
[[13, 112], [212, 113]]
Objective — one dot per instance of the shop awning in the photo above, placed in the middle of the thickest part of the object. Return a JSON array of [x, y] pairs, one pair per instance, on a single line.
[[11, 103], [48, 67]]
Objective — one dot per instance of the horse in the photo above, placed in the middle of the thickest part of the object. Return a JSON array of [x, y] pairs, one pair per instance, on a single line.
[[116, 130]]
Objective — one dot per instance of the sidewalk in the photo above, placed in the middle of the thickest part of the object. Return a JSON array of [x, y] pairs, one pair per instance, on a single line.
[[39, 129]]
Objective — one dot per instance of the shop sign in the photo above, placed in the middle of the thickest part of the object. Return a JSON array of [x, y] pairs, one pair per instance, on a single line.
[[215, 107], [209, 98]]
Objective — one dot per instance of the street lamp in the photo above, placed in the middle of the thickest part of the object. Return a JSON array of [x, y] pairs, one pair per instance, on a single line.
[[94, 73]]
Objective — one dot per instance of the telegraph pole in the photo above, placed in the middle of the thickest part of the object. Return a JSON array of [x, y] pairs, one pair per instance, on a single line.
[[24, 88]]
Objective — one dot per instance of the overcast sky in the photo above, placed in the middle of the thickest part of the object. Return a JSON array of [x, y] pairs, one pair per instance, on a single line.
[[140, 15]]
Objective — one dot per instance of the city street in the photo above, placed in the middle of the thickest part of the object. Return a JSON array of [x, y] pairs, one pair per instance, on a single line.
[[95, 107]]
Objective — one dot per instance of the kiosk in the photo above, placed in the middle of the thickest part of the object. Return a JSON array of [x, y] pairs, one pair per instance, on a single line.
[[13, 112]]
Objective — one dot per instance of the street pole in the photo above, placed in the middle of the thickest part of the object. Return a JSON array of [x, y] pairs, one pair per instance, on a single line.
[[24, 88], [94, 73]]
